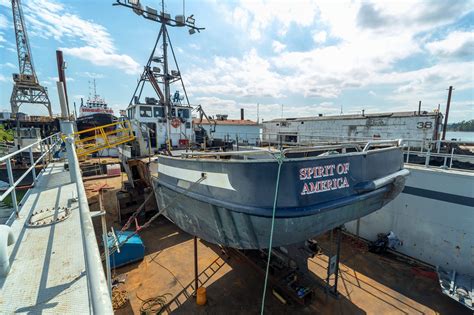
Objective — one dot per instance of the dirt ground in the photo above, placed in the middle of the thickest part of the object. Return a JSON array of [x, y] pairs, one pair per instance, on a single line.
[[368, 283]]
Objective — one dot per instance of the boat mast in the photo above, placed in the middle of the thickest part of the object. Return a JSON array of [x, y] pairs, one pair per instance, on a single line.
[[166, 81], [149, 73], [95, 90]]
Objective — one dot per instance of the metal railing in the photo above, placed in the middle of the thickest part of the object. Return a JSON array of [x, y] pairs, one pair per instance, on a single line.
[[363, 146], [104, 137], [96, 281], [437, 150], [47, 147]]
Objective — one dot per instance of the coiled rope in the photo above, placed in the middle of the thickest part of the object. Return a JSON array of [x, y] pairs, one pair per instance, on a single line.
[[153, 305], [279, 159]]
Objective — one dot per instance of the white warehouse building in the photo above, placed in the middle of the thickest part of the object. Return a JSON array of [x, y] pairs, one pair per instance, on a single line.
[[397, 125], [244, 130]]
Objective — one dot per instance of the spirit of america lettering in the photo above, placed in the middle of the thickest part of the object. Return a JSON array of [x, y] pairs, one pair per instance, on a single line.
[[322, 183]]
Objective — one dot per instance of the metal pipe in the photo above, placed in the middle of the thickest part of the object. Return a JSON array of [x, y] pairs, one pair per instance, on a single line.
[[448, 103], [13, 192], [196, 276], [32, 163], [398, 142], [419, 108], [62, 99], [427, 158], [6, 239], [338, 252], [62, 78], [105, 241], [452, 155], [98, 293]]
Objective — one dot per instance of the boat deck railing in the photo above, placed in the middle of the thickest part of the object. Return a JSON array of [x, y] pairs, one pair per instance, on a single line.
[[363, 146], [48, 146]]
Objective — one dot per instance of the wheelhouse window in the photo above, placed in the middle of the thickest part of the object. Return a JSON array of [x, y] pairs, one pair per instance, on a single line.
[[145, 111], [183, 113], [159, 111]]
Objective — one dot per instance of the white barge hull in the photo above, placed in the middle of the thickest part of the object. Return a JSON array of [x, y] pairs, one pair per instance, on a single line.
[[433, 217]]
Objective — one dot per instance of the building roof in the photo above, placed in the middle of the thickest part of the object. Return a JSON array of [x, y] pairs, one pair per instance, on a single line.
[[356, 116], [234, 122]]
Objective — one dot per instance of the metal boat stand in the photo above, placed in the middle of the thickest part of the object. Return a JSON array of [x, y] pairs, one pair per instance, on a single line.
[[333, 264], [196, 273]]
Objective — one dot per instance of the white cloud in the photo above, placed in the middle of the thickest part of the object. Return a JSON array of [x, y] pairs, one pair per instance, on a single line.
[[3, 78], [51, 19], [100, 57], [255, 16], [214, 105], [278, 46], [8, 65], [370, 41], [320, 37], [56, 79], [456, 44], [3, 22], [250, 76], [91, 75]]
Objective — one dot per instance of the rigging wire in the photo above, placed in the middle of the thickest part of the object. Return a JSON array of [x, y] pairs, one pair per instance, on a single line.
[[279, 159]]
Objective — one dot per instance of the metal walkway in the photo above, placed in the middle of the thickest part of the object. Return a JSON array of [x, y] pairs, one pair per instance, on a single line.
[[47, 263], [49, 257]]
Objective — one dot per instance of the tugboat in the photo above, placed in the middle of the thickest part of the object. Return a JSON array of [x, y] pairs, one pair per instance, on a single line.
[[94, 113], [233, 197]]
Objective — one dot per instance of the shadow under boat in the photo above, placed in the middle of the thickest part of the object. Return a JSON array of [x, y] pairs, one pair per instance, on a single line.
[[227, 197]]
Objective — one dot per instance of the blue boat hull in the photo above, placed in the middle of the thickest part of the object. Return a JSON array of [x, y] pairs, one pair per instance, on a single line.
[[233, 205]]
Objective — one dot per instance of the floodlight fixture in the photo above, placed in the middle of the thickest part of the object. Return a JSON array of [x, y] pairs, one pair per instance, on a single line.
[[191, 20], [137, 8], [179, 20], [152, 13], [134, 2], [192, 31]]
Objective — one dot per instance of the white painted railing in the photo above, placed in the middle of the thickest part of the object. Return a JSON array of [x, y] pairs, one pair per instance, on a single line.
[[48, 147]]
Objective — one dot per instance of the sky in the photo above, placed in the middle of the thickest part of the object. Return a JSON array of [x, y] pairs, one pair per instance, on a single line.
[[294, 58]]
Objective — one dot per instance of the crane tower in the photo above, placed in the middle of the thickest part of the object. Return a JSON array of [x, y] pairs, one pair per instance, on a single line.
[[26, 88]]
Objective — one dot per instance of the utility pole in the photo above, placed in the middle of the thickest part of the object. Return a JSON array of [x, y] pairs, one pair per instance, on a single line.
[[258, 113], [445, 126], [26, 88]]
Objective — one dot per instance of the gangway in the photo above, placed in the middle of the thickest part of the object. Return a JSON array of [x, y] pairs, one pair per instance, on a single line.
[[95, 139]]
